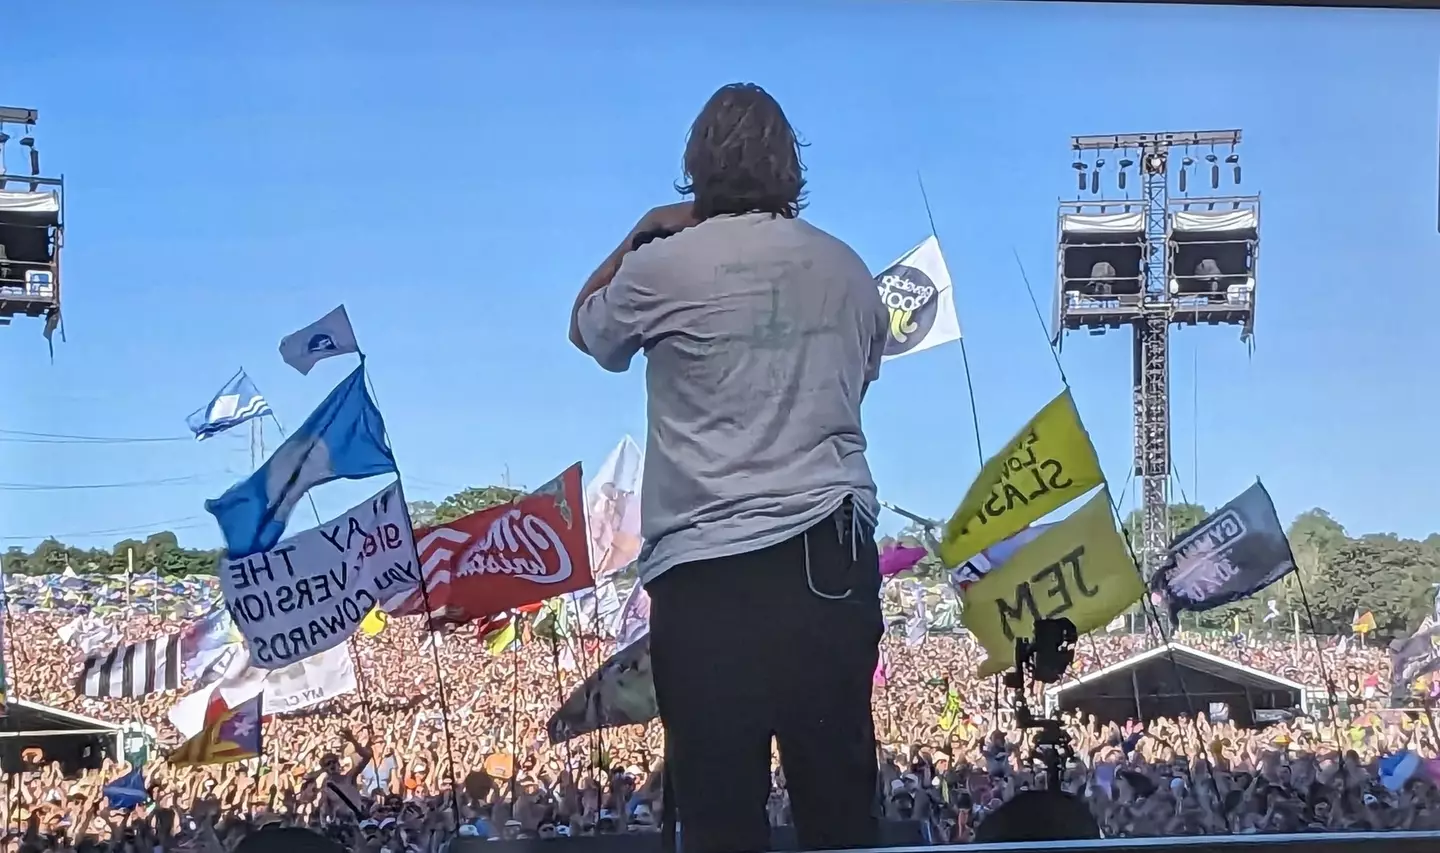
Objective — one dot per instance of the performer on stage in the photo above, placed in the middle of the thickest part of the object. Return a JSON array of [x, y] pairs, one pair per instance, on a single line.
[[761, 334]]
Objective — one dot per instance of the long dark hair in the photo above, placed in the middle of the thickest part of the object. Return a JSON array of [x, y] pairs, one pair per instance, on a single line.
[[742, 156]]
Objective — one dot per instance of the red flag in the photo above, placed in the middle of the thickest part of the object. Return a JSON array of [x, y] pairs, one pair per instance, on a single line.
[[507, 556]]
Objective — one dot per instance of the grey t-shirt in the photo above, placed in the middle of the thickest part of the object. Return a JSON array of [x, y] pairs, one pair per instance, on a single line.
[[761, 335]]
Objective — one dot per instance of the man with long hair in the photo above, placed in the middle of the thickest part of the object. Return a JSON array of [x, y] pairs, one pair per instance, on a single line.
[[761, 334]]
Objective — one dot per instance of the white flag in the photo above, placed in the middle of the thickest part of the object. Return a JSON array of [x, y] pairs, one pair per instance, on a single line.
[[329, 336], [294, 688], [918, 294]]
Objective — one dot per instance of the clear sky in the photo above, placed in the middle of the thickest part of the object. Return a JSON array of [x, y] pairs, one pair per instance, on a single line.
[[452, 171]]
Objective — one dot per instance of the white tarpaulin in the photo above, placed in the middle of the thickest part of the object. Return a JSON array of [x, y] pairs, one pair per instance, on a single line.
[[294, 688], [920, 299], [310, 592]]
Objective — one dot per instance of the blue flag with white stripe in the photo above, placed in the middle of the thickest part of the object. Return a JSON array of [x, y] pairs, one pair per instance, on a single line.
[[343, 439], [233, 405]]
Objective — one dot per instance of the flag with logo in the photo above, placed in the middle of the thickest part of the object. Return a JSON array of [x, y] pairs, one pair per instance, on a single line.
[[1238, 550], [506, 556], [1048, 464], [920, 299], [327, 337], [343, 439], [1078, 569], [235, 403], [232, 735]]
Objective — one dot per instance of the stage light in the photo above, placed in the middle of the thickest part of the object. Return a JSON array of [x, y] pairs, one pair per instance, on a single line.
[[1185, 164], [1234, 161], [1155, 163], [1095, 177], [1125, 163], [1079, 167], [1214, 171]]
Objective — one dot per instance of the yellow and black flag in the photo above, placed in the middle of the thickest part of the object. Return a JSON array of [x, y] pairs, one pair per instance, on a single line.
[[1078, 569], [1048, 464]]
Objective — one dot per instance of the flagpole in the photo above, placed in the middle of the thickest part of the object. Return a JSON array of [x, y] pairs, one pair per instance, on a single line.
[[424, 593]]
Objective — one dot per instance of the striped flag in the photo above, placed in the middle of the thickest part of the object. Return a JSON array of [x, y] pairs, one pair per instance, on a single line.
[[137, 669]]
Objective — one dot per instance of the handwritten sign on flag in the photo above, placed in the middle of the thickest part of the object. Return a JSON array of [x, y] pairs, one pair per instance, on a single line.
[[310, 592]]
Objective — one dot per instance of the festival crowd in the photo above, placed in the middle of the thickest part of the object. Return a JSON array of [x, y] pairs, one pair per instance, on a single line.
[[373, 768]]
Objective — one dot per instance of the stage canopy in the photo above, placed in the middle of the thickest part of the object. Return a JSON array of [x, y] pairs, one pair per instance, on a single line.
[[1149, 685], [76, 741]]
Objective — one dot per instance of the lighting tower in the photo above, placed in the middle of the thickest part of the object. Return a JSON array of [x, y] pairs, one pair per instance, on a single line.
[[1151, 257], [32, 228]]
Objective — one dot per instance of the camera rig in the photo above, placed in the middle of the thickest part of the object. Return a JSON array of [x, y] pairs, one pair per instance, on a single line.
[[1045, 659]]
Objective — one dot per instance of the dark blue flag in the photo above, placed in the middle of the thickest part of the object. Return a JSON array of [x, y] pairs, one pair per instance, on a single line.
[[1234, 553]]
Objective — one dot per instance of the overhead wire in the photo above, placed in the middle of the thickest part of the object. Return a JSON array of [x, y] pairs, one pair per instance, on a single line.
[[129, 484]]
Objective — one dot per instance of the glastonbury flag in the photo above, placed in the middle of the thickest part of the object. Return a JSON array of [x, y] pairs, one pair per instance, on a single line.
[[235, 403]]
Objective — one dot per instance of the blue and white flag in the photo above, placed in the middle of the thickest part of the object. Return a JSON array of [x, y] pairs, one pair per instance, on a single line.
[[343, 439], [233, 405], [331, 335]]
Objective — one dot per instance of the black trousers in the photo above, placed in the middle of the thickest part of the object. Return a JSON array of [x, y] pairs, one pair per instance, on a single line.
[[780, 642]]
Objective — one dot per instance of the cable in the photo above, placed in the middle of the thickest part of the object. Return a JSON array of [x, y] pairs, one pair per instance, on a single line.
[[66, 438], [154, 526], [133, 484]]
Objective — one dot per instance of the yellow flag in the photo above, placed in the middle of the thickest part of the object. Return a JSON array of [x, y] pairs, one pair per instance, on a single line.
[[374, 622], [1078, 569], [499, 641], [951, 711], [1050, 463]]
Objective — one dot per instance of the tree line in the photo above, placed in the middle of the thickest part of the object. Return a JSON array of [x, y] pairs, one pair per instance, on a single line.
[[1392, 577]]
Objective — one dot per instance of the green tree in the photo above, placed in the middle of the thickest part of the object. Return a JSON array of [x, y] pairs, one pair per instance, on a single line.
[[473, 499], [1182, 518], [422, 513]]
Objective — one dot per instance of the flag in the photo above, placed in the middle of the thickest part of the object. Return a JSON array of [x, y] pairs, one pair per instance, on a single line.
[[499, 641], [1413, 657], [1048, 464], [233, 735], [88, 633], [294, 688], [235, 403], [897, 558], [311, 591], [918, 294], [329, 336], [993, 557], [506, 556], [343, 439], [128, 791], [205, 645], [918, 624], [133, 670], [1362, 623], [1078, 569], [1238, 550], [1272, 610], [620, 693], [951, 712], [375, 622], [612, 509], [634, 617]]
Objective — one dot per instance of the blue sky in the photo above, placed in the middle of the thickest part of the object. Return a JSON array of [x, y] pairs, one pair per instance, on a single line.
[[452, 171]]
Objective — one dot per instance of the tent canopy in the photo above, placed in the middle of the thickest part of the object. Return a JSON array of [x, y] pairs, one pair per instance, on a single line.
[[1175, 679]]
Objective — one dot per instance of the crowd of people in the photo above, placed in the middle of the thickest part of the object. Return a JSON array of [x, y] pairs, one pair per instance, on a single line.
[[374, 768]]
